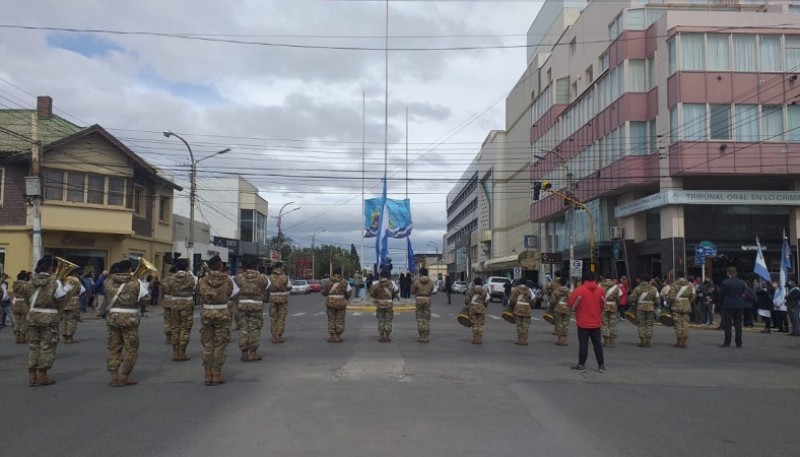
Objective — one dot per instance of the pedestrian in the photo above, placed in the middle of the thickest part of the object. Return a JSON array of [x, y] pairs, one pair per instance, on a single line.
[[587, 302], [422, 290], [405, 285], [86, 297], [559, 296], [384, 292], [278, 302], [522, 301], [625, 290], [126, 292], [506, 292], [358, 282], [250, 308], [336, 292], [71, 313], [730, 294], [44, 293], [644, 298], [610, 317], [19, 307], [215, 290], [476, 299], [448, 288], [100, 294], [178, 303], [764, 304], [680, 302], [781, 311], [5, 301], [793, 307]]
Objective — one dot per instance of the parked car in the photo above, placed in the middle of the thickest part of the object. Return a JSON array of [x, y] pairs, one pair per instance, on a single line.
[[313, 285], [300, 286], [459, 287], [495, 287]]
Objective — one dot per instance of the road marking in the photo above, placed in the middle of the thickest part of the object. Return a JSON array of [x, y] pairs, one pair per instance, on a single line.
[[493, 317], [357, 314], [298, 314], [435, 315]]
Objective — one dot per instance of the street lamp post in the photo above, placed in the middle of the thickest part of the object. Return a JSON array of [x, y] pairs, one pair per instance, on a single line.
[[192, 192], [313, 251], [571, 210], [280, 215]]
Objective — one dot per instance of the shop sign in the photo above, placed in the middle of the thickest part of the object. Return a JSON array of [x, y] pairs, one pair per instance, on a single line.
[[708, 197], [71, 239]]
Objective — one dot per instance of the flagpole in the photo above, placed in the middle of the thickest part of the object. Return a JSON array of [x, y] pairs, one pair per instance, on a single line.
[[363, 170], [408, 264]]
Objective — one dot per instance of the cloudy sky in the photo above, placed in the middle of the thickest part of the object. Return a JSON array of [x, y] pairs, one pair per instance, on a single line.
[[286, 84]]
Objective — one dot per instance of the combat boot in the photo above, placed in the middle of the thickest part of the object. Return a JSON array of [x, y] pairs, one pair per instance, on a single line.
[[642, 343], [176, 354], [426, 338], [678, 342], [43, 380], [685, 343], [387, 337], [562, 340], [125, 380], [474, 337], [525, 340], [648, 341], [216, 377], [280, 338], [479, 338], [332, 338], [606, 342], [254, 357], [338, 338], [245, 355], [208, 377], [114, 378], [274, 338], [32, 377], [613, 342], [182, 357], [519, 341]]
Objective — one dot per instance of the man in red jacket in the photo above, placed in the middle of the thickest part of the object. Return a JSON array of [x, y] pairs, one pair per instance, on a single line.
[[587, 302]]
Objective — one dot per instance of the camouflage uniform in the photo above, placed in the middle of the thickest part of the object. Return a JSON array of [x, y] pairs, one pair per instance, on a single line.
[[250, 308], [43, 293], [423, 289], [19, 307], [215, 289], [610, 312], [337, 291], [70, 316], [278, 303], [178, 300], [169, 317], [476, 299], [558, 297], [383, 292], [522, 300], [125, 293], [645, 296], [680, 301]]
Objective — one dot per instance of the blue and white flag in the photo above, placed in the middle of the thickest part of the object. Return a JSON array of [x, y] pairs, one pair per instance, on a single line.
[[381, 240], [412, 267], [760, 267], [399, 219], [786, 265]]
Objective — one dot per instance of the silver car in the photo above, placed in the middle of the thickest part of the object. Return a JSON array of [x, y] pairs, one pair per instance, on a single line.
[[459, 287], [300, 286]]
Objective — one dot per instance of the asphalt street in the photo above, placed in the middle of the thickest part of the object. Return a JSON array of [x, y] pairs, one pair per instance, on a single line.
[[447, 398]]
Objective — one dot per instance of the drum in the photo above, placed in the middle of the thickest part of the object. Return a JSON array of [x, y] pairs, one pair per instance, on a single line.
[[463, 317], [508, 315]]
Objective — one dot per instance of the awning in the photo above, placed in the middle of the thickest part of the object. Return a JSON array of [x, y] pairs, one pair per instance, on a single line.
[[503, 263]]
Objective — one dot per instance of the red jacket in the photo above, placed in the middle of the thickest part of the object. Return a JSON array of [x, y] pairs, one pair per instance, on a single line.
[[588, 313]]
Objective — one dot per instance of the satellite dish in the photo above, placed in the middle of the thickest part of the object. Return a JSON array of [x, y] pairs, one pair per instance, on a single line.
[[528, 260]]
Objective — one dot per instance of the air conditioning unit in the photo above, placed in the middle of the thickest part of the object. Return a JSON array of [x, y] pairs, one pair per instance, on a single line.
[[616, 232]]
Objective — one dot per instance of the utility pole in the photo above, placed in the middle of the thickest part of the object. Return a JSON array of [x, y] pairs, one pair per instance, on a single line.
[[314, 251], [33, 189]]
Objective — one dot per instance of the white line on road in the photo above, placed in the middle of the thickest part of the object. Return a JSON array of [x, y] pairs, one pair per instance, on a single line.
[[435, 315], [298, 314]]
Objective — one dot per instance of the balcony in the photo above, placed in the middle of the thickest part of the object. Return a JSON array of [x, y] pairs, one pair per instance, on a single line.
[[733, 158], [101, 220]]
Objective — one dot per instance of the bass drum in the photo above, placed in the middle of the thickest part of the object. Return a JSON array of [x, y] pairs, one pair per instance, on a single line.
[[665, 317], [463, 317], [508, 315], [550, 315], [630, 314]]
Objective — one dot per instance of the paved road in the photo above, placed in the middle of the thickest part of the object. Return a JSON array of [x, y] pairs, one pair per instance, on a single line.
[[446, 398]]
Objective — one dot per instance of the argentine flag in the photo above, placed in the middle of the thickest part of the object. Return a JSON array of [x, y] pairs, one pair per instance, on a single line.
[[761, 265]]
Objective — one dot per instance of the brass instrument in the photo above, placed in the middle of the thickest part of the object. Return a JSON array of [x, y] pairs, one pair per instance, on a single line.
[[143, 269], [630, 314], [463, 317], [550, 314], [508, 315], [665, 317], [64, 269], [205, 269]]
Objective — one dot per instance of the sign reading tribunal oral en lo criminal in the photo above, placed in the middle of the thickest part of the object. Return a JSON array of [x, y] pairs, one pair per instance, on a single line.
[[708, 197]]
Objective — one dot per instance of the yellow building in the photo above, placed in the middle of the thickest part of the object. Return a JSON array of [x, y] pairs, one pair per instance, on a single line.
[[102, 203]]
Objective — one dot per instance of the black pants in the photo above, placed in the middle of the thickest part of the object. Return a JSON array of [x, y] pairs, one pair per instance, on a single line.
[[782, 321], [584, 334], [732, 316], [748, 316]]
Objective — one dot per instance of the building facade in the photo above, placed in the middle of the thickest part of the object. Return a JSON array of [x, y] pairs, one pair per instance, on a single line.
[[682, 127], [102, 203]]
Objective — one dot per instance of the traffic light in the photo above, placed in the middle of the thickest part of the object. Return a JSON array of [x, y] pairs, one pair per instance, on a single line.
[[546, 185], [537, 189], [168, 258]]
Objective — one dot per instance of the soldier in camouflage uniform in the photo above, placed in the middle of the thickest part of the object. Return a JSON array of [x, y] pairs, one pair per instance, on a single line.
[[384, 292], [178, 290], [680, 300], [125, 293], [250, 308], [645, 297], [422, 288], [558, 298], [522, 301], [44, 293], [166, 305], [19, 306], [610, 313], [71, 314], [278, 302], [337, 291], [476, 298], [215, 290]]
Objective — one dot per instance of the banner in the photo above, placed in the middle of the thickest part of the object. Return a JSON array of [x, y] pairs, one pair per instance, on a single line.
[[399, 223], [760, 268]]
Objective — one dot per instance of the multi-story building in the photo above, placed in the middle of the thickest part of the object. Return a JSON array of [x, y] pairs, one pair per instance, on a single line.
[[676, 123], [236, 215], [102, 203], [203, 245]]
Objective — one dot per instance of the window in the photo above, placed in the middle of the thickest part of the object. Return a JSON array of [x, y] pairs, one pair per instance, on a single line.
[[770, 53], [163, 209], [614, 81], [746, 123], [694, 121], [744, 52], [673, 125], [139, 203], [116, 191], [772, 123], [792, 53], [96, 189], [75, 186], [573, 47], [603, 62], [793, 117], [54, 185], [2, 185], [651, 73], [562, 91], [721, 122], [692, 52], [653, 136], [638, 138], [673, 57], [718, 53], [636, 19], [638, 77], [589, 75], [246, 225]]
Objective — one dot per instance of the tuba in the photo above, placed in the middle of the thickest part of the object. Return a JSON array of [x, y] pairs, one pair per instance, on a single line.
[[143, 269], [508, 314], [550, 314], [63, 273]]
